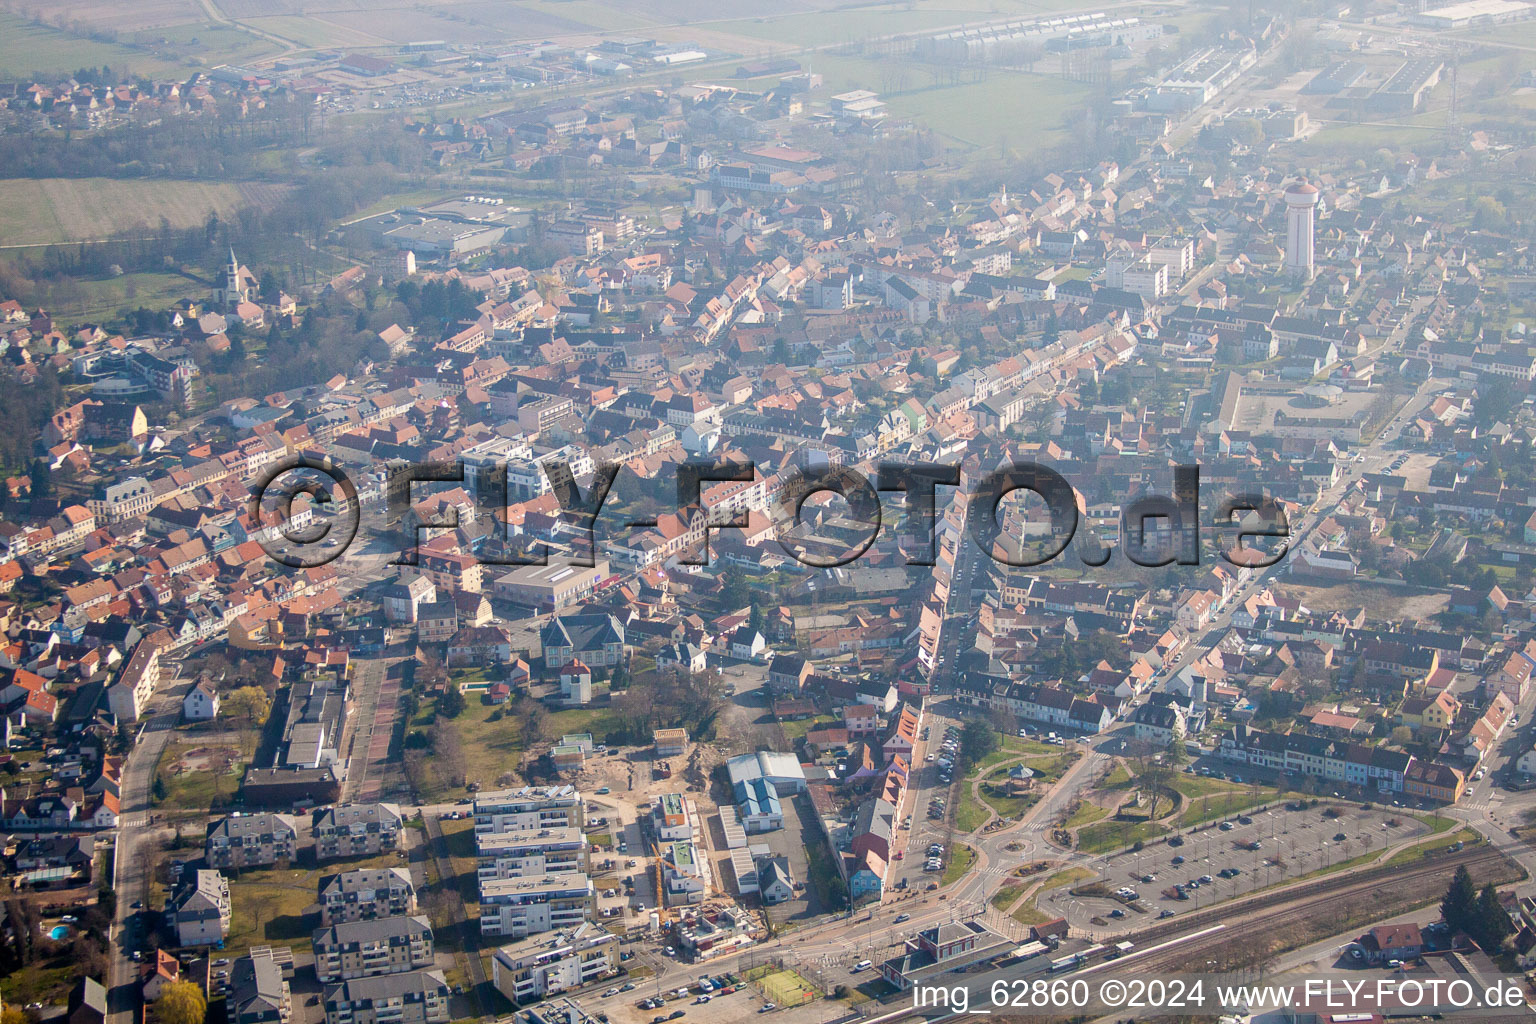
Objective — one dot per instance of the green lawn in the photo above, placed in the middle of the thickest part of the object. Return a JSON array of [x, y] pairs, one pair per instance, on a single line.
[[1437, 822], [110, 297], [1117, 778], [269, 906], [194, 776], [1005, 895], [1112, 835], [1011, 749], [1414, 854], [1067, 876], [1223, 805], [1087, 814], [1193, 786], [1005, 805], [960, 860], [797, 728], [46, 982], [491, 741], [1029, 913], [1050, 770], [830, 890], [1005, 110], [970, 814]]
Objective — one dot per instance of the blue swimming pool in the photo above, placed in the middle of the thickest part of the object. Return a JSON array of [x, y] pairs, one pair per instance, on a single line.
[[59, 932]]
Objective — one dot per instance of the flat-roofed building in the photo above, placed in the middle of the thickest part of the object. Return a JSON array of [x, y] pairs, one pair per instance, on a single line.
[[531, 904], [544, 965], [686, 875], [530, 852], [549, 587], [673, 817], [531, 807]]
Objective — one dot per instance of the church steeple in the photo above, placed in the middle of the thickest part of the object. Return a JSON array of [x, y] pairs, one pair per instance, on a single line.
[[233, 293]]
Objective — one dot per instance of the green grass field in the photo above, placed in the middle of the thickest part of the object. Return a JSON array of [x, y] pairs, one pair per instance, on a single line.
[[491, 741], [1013, 748], [42, 211], [26, 48], [108, 298], [1014, 110], [1112, 835], [194, 776], [310, 31], [269, 906], [960, 860], [1223, 805], [970, 814], [1029, 913], [1414, 854], [208, 43], [46, 981], [1087, 814], [1006, 894]]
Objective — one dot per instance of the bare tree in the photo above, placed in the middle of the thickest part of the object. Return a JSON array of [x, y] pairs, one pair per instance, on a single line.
[[447, 753]]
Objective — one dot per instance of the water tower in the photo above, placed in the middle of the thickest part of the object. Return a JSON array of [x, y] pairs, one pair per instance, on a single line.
[[1300, 216]]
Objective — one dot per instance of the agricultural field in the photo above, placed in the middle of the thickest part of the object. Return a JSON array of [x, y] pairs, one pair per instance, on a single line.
[[110, 297], [45, 211], [858, 22], [1015, 110], [26, 47]]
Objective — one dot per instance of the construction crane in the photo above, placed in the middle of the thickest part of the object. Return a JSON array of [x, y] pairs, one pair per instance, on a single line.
[[663, 912]]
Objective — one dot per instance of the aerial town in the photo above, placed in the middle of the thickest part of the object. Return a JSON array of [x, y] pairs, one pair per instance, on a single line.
[[633, 518]]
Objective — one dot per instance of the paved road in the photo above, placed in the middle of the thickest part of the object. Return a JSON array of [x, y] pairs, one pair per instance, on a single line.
[[130, 876]]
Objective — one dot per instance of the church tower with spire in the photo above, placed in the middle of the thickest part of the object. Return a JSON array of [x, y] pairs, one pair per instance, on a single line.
[[239, 283]]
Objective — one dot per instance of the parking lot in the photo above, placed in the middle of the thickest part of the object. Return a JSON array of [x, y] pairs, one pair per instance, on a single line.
[[1263, 848]]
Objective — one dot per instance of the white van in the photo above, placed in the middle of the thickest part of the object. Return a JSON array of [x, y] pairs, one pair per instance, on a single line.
[[862, 965]]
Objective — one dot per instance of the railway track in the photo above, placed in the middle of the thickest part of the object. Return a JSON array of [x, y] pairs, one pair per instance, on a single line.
[[1381, 888]]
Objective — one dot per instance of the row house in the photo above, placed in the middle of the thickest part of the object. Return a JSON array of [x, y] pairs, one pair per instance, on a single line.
[[1045, 705], [1351, 763]]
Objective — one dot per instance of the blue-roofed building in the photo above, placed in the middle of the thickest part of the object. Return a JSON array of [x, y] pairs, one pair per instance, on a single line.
[[759, 803], [758, 780]]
